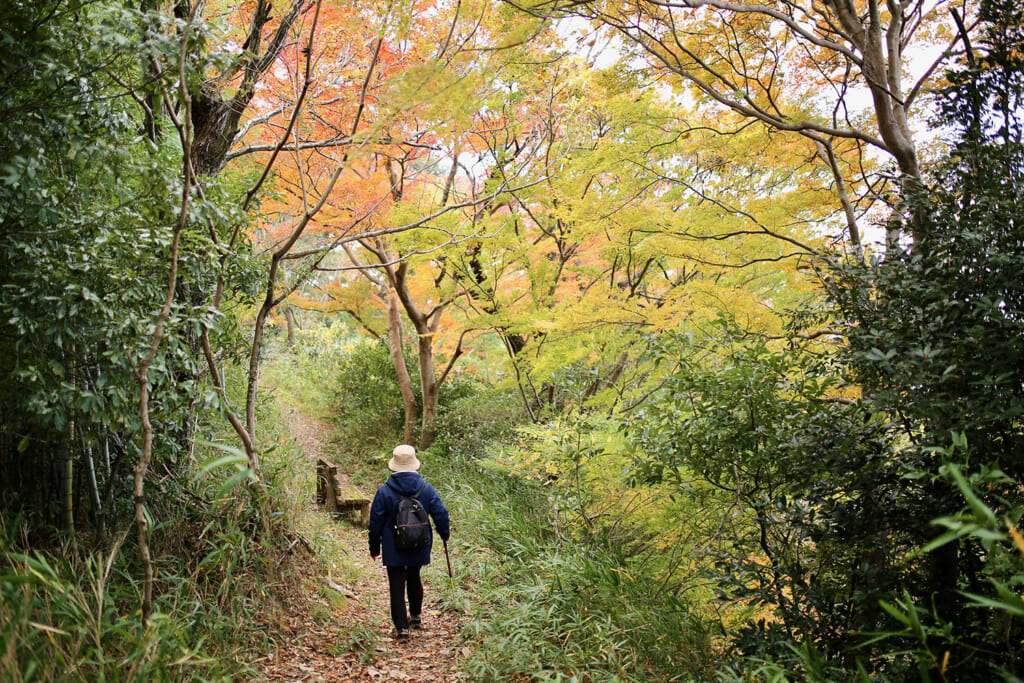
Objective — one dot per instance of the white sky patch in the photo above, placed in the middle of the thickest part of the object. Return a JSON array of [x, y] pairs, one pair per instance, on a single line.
[[597, 48]]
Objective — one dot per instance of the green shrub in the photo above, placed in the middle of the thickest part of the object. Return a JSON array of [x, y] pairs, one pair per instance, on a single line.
[[365, 392], [472, 418], [365, 397]]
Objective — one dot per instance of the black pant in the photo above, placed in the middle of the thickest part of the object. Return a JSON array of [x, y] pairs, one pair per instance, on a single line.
[[401, 579]]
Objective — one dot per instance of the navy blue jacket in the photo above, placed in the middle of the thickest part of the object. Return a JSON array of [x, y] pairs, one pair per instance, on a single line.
[[385, 504]]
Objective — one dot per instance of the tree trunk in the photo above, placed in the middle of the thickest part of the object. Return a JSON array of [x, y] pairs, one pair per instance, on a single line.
[[94, 491], [216, 120], [253, 379], [398, 360], [68, 489], [290, 323], [138, 493], [428, 387], [426, 329]]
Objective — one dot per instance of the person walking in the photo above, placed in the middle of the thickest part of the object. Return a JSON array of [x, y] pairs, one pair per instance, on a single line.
[[403, 566]]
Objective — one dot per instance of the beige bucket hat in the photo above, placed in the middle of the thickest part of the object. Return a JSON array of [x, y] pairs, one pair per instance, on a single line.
[[404, 459]]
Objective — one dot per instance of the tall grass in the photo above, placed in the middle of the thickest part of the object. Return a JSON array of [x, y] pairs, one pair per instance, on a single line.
[[69, 619], [558, 606], [72, 613]]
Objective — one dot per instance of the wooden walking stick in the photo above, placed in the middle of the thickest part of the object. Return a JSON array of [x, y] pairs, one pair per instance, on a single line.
[[451, 578]]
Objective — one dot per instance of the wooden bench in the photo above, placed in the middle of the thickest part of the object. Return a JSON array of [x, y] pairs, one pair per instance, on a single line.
[[338, 496]]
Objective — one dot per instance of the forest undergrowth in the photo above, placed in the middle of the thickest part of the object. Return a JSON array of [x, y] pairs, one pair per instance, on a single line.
[[253, 584], [536, 595]]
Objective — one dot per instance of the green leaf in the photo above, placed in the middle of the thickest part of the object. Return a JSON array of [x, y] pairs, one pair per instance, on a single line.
[[235, 479], [235, 456], [976, 503], [895, 613], [1009, 603], [237, 459]]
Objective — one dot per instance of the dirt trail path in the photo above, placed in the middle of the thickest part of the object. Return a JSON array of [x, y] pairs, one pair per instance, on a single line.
[[361, 645]]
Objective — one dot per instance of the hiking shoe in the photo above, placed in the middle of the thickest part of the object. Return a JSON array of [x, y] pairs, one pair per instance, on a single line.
[[403, 635], [415, 623]]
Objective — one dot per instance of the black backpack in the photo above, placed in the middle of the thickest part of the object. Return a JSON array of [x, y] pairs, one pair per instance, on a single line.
[[410, 525]]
